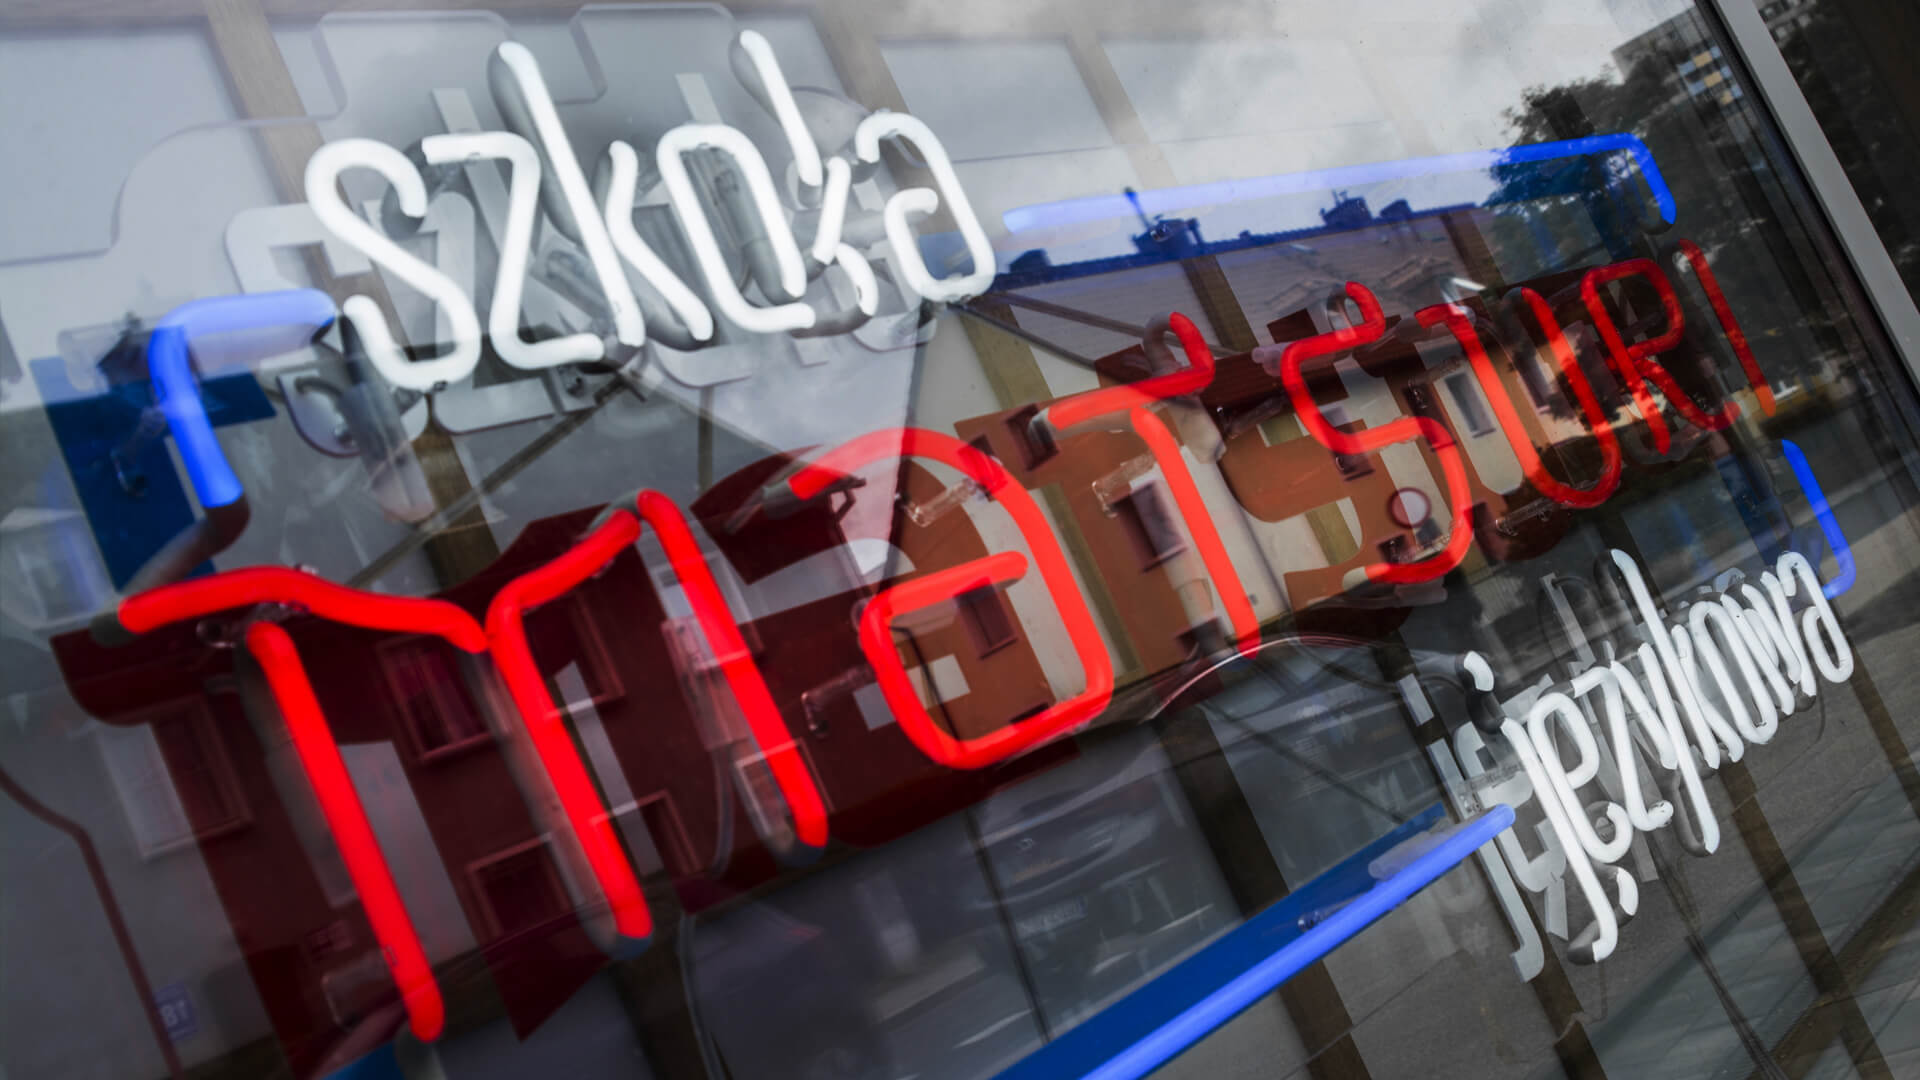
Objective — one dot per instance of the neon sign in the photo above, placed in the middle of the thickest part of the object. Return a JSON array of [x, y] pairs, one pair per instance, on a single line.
[[544, 170], [1708, 685]]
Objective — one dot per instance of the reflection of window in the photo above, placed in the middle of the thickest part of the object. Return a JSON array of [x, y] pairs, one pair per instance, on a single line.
[[1144, 516], [440, 713], [984, 613], [519, 888], [174, 777], [1472, 413], [564, 632]]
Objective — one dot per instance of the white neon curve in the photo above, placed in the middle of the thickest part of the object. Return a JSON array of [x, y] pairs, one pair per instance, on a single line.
[[1606, 678], [1606, 928], [833, 209], [1656, 680], [906, 250], [323, 195], [627, 241], [693, 218], [523, 201], [1566, 782], [1833, 656], [573, 187], [1759, 725], [806, 156]]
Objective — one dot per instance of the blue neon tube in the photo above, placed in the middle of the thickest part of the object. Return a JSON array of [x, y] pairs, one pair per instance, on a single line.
[[1223, 192], [1830, 525], [170, 368], [1148, 1027]]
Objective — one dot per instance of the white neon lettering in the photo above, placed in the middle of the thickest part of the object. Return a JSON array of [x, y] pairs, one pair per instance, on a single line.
[[771, 88], [1707, 826], [503, 316], [1703, 619], [323, 195], [626, 239], [1566, 782], [1833, 655], [1763, 651], [1606, 678], [670, 157], [906, 251], [523, 76], [1599, 939], [833, 210]]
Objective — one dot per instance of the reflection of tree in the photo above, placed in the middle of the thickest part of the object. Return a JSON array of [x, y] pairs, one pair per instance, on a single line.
[[1871, 135], [1711, 151]]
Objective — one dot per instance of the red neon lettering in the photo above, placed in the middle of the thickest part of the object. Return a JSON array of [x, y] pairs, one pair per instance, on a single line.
[[1195, 377], [875, 630], [1373, 325], [579, 799], [278, 585], [1460, 322], [586, 813], [1134, 399], [347, 818], [1634, 363], [1724, 312], [318, 754]]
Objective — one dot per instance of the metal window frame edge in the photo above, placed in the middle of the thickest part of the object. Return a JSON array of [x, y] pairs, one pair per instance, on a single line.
[[1868, 257]]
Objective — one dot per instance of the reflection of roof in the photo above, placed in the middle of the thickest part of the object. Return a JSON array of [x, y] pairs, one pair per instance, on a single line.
[[1170, 241]]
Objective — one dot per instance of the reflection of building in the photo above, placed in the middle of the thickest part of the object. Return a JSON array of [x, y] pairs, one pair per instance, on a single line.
[[1683, 44]]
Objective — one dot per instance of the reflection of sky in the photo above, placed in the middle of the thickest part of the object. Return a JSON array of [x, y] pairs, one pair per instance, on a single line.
[[1253, 93]]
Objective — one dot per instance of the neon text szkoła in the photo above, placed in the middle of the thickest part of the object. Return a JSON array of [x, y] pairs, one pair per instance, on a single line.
[[544, 172]]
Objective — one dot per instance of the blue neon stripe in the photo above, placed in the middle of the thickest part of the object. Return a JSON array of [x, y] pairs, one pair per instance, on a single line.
[[1149, 1026], [170, 368], [1223, 192], [1842, 554]]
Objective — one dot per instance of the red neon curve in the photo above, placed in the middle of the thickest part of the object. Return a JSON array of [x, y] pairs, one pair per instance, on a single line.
[[1634, 363], [279, 585], [347, 819], [1460, 322], [1459, 494], [1055, 720], [586, 813], [1192, 379], [1728, 324], [1193, 510], [770, 732]]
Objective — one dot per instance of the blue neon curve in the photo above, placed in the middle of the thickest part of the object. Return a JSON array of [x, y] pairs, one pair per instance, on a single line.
[[170, 368], [1171, 200], [1842, 553], [1148, 1027]]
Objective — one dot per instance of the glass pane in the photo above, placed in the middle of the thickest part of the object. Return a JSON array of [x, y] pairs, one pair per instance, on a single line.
[[848, 540]]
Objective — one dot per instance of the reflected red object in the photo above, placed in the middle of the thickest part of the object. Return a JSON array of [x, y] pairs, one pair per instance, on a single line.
[[579, 798], [1460, 322], [1409, 507], [876, 639], [277, 585], [347, 819], [1728, 324], [1459, 494], [1634, 363]]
